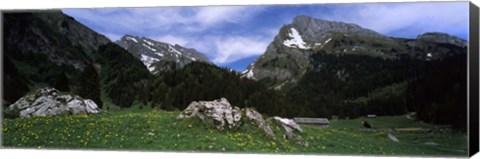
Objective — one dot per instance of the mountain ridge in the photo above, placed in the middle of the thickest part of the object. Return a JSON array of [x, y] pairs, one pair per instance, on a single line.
[[159, 56], [287, 57], [53, 34]]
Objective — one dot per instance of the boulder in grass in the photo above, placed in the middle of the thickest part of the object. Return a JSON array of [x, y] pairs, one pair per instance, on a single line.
[[393, 138], [258, 120], [49, 101], [291, 127], [218, 113], [288, 123], [221, 115]]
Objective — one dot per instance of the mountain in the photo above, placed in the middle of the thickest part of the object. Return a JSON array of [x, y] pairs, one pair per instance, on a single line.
[[52, 34], [288, 56], [40, 47], [160, 56], [327, 68], [49, 48]]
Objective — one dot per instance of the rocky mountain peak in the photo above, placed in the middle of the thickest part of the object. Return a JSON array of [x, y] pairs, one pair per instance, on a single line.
[[442, 38], [318, 29], [287, 58], [159, 56], [288, 55]]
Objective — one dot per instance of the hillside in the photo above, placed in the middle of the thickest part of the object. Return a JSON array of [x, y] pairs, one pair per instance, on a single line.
[[175, 89], [49, 48]]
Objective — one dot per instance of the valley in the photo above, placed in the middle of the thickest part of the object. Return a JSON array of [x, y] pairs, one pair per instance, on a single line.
[[313, 68]]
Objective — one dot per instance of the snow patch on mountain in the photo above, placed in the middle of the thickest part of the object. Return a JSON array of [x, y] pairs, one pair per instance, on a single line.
[[328, 40], [172, 49], [296, 40], [149, 47], [148, 61], [148, 42], [321, 45], [159, 54], [133, 39], [249, 72]]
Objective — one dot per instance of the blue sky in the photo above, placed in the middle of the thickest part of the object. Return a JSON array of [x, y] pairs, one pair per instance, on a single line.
[[234, 36]]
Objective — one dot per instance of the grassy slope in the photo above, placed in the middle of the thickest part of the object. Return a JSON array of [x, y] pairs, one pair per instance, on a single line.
[[160, 131]]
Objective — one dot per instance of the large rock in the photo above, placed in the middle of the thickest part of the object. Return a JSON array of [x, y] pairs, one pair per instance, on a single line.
[[258, 120], [290, 123], [218, 113], [291, 127], [393, 138], [49, 101]]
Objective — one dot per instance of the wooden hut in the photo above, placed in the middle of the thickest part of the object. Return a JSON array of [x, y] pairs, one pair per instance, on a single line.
[[313, 121]]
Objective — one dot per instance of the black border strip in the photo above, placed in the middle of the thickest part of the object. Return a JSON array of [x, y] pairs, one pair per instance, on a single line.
[[2, 75], [473, 80]]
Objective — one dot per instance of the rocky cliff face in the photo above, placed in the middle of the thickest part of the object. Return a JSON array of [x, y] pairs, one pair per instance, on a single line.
[[58, 37], [442, 38], [435, 46], [159, 56], [288, 56]]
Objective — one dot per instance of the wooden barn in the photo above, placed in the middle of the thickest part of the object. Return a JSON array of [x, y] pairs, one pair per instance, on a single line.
[[313, 121]]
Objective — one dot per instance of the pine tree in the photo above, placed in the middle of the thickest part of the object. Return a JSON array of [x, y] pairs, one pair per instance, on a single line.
[[61, 83], [89, 82]]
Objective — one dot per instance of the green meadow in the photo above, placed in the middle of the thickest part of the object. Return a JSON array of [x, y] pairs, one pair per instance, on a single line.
[[158, 130]]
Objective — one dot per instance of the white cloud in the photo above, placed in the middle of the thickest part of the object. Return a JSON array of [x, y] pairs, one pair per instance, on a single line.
[[221, 49], [414, 18], [230, 49], [213, 15], [164, 18], [181, 25]]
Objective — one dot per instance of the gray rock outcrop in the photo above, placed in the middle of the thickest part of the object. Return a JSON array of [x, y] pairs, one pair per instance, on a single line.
[[221, 115], [318, 29], [291, 127], [442, 38], [49, 101], [218, 113], [257, 119], [393, 138]]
